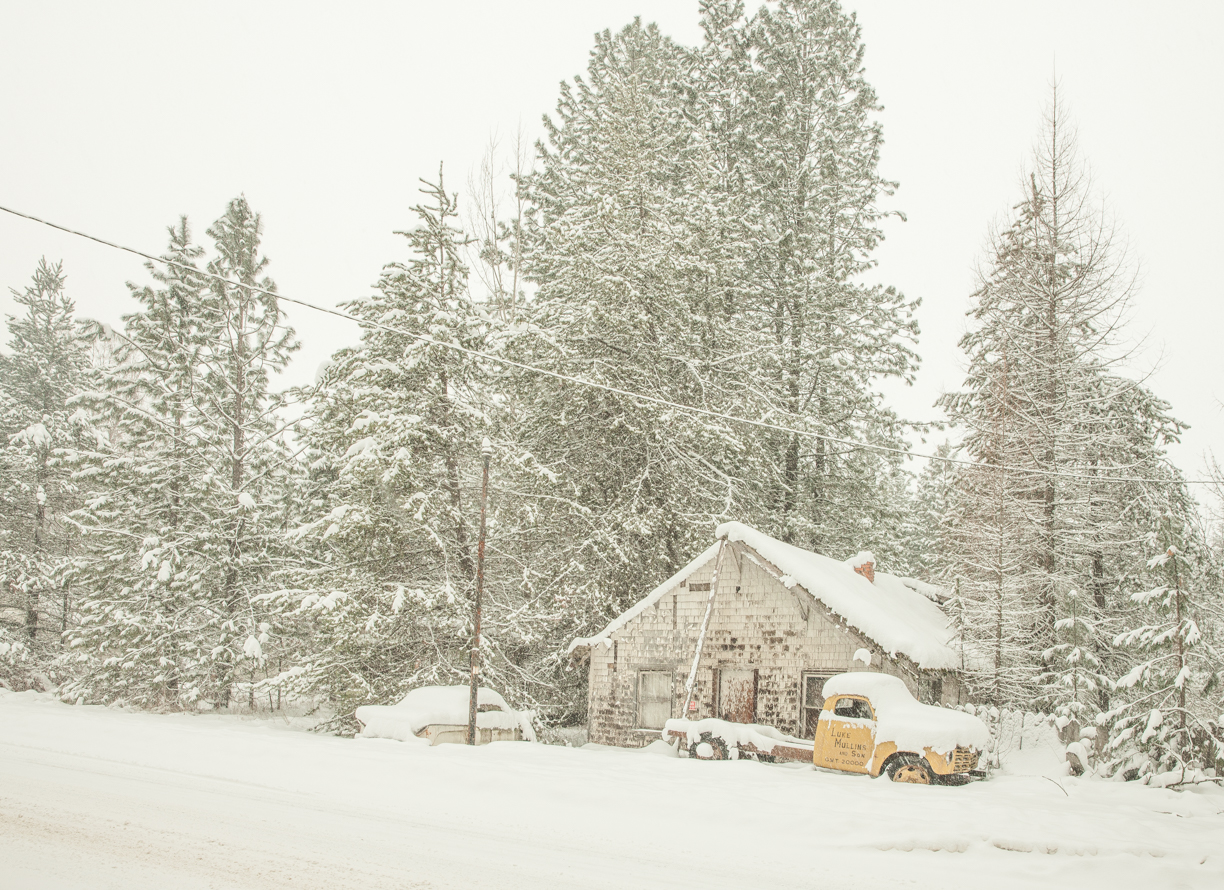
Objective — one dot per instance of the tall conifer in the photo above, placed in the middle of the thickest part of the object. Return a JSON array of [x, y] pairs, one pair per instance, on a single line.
[[37, 379], [184, 513], [1055, 426]]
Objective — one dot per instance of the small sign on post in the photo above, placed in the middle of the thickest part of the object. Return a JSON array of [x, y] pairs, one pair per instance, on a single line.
[[692, 706]]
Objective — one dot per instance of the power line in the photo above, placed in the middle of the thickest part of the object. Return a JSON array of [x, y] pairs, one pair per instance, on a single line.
[[615, 390]]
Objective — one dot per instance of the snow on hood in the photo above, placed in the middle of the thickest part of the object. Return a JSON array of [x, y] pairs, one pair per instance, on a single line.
[[605, 635], [888, 611], [447, 705], [909, 724]]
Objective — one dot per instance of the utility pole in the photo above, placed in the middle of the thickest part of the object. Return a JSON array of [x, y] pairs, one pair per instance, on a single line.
[[486, 452]]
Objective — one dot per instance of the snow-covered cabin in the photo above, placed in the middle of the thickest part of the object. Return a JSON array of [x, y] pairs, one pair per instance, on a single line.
[[783, 620]]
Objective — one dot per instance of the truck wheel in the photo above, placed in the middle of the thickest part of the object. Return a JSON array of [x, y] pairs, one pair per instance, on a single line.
[[909, 768], [709, 747]]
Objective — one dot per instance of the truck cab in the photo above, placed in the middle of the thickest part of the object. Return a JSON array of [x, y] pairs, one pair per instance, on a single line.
[[871, 724]]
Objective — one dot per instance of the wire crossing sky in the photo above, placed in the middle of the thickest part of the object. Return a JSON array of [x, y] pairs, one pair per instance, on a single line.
[[579, 381], [120, 118]]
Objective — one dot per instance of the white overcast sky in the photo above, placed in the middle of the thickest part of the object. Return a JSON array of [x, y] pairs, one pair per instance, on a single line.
[[116, 118]]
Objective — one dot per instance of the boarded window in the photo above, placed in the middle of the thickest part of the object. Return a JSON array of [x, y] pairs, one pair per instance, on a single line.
[[699, 585], [737, 695], [654, 699]]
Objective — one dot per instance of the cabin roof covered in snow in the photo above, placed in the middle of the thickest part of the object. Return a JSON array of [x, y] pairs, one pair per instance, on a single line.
[[604, 636], [894, 612]]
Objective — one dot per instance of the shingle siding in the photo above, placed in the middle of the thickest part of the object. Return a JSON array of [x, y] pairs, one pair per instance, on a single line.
[[757, 624]]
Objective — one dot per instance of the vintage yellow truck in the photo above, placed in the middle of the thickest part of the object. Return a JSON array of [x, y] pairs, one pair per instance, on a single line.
[[869, 724]]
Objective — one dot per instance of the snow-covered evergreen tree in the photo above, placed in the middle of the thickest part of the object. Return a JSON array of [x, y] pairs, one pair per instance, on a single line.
[[636, 290], [1072, 453], [1173, 697], [1074, 680], [985, 541], [184, 514], [37, 378], [807, 146], [699, 218], [394, 442]]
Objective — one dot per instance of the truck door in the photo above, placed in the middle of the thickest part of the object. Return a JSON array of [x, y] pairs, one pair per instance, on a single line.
[[737, 696], [846, 736]]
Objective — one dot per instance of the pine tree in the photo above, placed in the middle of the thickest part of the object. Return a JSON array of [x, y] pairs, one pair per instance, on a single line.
[[184, 514], [1055, 426], [698, 220], [626, 243], [394, 440], [813, 213], [1074, 680], [930, 506], [1174, 695], [37, 379]]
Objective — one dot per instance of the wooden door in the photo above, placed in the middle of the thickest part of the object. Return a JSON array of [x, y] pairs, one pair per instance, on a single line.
[[737, 696]]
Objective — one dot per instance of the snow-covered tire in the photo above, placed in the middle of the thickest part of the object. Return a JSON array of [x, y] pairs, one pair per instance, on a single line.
[[718, 748], [910, 769]]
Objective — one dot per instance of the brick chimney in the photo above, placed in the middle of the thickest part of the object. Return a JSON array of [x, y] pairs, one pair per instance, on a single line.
[[864, 563]]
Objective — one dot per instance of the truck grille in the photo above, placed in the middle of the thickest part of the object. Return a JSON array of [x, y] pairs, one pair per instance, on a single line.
[[963, 760]]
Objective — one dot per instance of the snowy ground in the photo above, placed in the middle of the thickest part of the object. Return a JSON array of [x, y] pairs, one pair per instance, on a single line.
[[98, 798]]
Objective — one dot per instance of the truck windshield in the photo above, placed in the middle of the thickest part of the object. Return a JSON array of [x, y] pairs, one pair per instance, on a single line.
[[854, 708]]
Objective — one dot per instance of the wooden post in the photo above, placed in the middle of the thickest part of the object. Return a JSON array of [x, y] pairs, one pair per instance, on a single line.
[[705, 623], [486, 452]]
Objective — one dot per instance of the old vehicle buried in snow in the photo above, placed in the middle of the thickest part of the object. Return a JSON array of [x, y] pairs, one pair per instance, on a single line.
[[869, 724], [439, 715]]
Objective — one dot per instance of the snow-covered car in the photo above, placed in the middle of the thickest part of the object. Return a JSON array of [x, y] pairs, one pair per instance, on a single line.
[[869, 724], [439, 714]]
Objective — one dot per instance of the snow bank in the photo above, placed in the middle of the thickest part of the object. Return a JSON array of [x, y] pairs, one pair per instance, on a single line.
[[605, 635], [165, 793], [907, 723], [661, 748], [446, 705], [1023, 743], [888, 611]]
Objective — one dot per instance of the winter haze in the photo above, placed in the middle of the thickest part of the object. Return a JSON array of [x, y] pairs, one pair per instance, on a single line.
[[593, 444], [119, 119]]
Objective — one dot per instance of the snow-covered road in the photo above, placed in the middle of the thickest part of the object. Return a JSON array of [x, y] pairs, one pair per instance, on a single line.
[[99, 798]]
